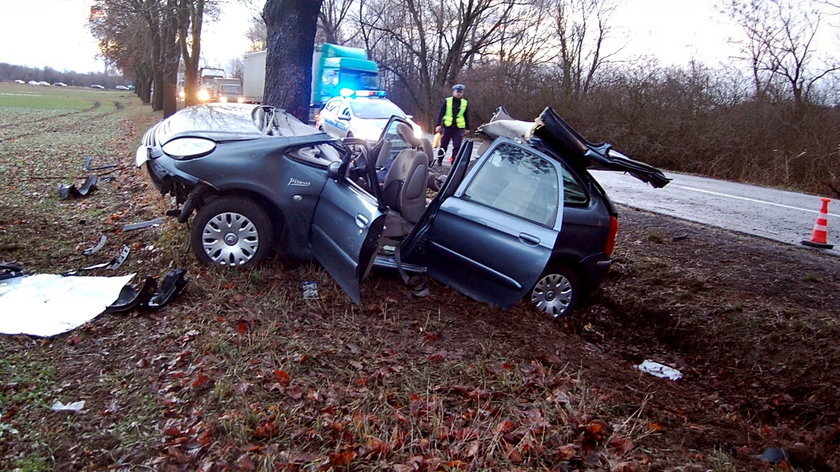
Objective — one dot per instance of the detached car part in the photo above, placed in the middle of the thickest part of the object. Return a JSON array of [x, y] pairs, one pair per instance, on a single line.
[[67, 191]]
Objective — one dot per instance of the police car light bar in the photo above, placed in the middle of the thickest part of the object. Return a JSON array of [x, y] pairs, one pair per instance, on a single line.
[[346, 92]]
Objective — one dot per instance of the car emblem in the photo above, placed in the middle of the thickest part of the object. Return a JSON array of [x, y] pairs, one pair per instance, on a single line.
[[293, 182]]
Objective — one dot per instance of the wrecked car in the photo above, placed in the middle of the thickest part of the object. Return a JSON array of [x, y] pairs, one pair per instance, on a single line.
[[524, 219]]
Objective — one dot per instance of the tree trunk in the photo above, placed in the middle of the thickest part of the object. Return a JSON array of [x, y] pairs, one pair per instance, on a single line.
[[291, 26], [171, 58], [190, 21], [157, 72]]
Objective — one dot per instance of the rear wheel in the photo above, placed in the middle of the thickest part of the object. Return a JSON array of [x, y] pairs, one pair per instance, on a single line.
[[557, 291], [232, 232]]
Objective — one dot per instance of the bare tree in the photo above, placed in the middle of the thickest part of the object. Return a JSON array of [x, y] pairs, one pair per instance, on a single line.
[[256, 33], [191, 18], [290, 27], [159, 18], [332, 17], [581, 28], [425, 46], [779, 46], [124, 43]]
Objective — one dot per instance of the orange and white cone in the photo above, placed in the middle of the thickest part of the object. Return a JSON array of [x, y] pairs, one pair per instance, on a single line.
[[819, 238]]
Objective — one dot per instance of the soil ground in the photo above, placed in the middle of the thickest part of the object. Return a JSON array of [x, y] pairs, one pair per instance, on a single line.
[[241, 373]]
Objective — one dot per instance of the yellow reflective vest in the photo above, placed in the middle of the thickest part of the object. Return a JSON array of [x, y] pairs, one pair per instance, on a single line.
[[460, 121]]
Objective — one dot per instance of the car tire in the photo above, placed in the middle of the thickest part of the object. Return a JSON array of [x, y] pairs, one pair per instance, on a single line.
[[232, 232], [557, 292]]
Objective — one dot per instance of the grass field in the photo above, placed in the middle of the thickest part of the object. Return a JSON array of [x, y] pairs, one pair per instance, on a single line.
[[33, 97]]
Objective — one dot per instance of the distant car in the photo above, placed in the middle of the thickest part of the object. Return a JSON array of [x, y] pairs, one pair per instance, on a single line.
[[18, 81], [525, 220], [60, 84], [97, 86], [363, 114], [121, 87], [33, 82], [44, 83]]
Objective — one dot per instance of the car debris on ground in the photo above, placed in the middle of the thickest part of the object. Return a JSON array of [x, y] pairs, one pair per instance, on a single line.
[[659, 370], [55, 304], [66, 191], [142, 224]]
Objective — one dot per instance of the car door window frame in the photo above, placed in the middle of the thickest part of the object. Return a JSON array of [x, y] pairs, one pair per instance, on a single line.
[[485, 159]]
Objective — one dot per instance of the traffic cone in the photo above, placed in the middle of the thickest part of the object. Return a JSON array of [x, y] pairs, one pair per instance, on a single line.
[[820, 235]]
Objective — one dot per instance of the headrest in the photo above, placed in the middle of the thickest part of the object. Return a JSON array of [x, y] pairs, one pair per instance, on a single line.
[[407, 134], [507, 129], [427, 148]]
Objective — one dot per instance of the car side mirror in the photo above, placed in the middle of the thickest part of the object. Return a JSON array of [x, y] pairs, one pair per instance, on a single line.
[[334, 170]]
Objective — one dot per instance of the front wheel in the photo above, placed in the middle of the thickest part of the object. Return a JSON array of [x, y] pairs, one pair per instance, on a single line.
[[557, 292], [232, 232]]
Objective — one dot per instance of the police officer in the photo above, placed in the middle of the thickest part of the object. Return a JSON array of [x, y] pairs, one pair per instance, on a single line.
[[453, 122]]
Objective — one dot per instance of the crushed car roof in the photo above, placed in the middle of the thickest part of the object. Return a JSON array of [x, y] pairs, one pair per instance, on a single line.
[[228, 122], [561, 138]]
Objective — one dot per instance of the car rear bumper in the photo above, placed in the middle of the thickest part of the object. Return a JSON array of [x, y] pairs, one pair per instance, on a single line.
[[595, 269]]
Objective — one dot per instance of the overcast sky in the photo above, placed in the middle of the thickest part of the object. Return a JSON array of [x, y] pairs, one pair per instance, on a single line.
[[54, 33]]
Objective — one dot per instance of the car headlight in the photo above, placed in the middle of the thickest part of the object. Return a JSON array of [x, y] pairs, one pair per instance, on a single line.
[[204, 95], [223, 99], [366, 130], [240, 100], [188, 148]]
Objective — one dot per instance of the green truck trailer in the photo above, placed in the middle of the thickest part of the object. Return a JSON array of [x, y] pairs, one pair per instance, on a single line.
[[333, 68]]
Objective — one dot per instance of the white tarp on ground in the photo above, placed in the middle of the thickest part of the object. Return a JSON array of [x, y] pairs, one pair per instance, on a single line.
[[47, 304]]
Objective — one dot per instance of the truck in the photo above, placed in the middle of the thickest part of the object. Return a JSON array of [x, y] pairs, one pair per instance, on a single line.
[[227, 89], [333, 68], [206, 83]]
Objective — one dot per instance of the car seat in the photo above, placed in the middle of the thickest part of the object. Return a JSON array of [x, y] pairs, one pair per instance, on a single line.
[[404, 187]]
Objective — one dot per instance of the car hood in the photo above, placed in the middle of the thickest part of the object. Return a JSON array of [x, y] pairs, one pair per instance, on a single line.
[[562, 139]]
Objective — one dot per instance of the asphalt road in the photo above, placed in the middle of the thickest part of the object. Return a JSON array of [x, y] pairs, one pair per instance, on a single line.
[[783, 216]]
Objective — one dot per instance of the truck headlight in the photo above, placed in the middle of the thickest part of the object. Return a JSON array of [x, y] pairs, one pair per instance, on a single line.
[[204, 95]]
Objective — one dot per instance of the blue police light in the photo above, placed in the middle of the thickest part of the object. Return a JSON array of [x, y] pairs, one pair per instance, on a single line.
[[346, 92], [370, 93]]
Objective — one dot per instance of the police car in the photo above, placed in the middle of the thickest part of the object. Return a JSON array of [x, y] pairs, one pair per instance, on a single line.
[[361, 114]]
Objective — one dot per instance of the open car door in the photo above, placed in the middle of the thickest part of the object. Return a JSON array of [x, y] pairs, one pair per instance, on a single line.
[[490, 234], [345, 229]]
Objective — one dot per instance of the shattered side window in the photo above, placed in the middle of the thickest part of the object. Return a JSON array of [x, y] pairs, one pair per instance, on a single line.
[[518, 182]]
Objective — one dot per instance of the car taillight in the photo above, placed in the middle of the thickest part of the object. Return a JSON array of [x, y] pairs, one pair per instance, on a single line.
[[611, 237]]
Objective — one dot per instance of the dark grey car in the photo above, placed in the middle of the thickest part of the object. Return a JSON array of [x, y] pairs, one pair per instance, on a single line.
[[523, 220]]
